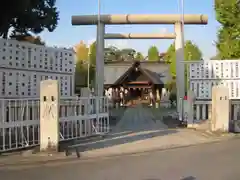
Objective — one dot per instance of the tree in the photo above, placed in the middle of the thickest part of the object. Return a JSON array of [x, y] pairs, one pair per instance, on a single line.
[[112, 53], [92, 58], [191, 52], [81, 74], [128, 53], [92, 53], [84, 56], [28, 38], [153, 53], [139, 56], [24, 16], [81, 51], [228, 15], [171, 59]]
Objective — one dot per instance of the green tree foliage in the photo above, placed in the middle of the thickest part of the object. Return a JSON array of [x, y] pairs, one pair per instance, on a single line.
[[153, 53], [92, 53], [81, 73], [139, 56], [92, 58], [228, 15], [171, 59], [128, 54], [24, 16], [83, 60], [112, 53], [191, 52]]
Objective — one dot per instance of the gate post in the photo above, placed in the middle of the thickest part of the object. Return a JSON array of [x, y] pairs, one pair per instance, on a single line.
[[220, 109], [49, 115], [179, 48], [99, 76], [188, 108]]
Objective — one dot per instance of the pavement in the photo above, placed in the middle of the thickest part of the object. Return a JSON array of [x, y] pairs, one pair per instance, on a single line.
[[137, 131], [215, 161]]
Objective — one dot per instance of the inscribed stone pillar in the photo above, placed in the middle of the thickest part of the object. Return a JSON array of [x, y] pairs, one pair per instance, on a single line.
[[49, 115], [220, 109]]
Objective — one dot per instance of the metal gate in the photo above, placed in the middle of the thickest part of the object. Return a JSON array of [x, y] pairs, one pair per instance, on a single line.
[[20, 120]]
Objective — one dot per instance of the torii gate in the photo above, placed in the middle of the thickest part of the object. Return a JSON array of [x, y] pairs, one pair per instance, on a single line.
[[123, 19]]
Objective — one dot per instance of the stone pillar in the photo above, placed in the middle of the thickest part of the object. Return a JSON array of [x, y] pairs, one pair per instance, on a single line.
[[99, 79], [49, 115], [188, 109], [179, 66], [220, 109]]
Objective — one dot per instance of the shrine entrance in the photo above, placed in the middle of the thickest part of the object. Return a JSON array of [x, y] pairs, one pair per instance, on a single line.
[[136, 93]]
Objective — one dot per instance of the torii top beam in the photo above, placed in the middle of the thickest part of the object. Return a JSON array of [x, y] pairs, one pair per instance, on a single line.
[[139, 19]]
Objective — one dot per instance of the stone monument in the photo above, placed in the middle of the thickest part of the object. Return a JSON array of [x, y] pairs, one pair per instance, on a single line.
[[49, 115]]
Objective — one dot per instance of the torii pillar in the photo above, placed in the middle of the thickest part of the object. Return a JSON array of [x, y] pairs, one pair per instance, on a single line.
[[141, 19]]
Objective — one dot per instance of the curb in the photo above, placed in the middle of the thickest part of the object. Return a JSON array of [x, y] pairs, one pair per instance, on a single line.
[[72, 159]]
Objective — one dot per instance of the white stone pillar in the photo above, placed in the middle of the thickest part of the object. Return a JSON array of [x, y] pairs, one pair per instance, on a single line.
[[49, 115], [188, 109], [220, 109], [99, 79], [179, 67]]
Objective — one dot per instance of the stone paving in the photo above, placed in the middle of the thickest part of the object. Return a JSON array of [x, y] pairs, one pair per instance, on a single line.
[[138, 131]]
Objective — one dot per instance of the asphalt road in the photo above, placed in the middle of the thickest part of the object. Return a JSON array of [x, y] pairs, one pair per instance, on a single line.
[[218, 161]]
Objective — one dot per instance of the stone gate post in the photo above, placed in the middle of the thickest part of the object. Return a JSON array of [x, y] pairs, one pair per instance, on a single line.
[[188, 109], [220, 109], [49, 115]]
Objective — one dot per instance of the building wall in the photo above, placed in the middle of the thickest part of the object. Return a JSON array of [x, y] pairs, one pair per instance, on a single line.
[[113, 72], [24, 65]]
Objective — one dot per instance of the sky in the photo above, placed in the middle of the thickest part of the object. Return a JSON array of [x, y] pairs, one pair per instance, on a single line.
[[67, 35]]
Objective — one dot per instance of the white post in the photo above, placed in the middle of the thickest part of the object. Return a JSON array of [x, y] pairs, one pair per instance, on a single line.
[[89, 61], [49, 115], [88, 77]]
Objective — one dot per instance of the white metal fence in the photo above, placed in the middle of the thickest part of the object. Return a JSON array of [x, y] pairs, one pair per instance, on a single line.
[[202, 110], [203, 76], [20, 120]]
